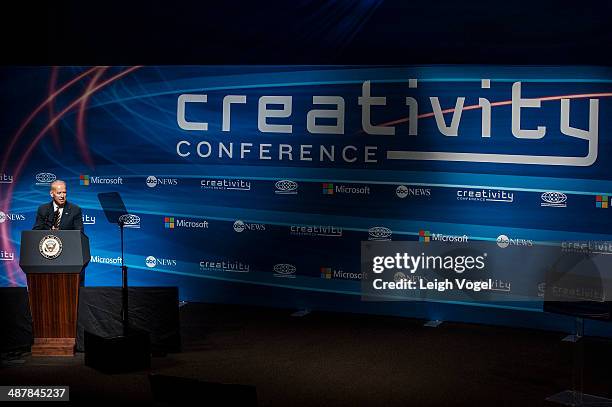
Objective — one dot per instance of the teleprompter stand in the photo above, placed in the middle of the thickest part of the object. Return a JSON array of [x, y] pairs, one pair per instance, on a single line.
[[131, 349], [580, 272]]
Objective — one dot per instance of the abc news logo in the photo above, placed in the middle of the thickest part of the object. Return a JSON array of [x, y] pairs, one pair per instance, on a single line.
[[403, 191], [240, 226], [152, 181], [504, 241], [5, 217], [152, 262]]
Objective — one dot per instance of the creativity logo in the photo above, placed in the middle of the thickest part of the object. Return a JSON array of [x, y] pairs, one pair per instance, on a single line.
[[501, 286], [554, 199], [520, 106], [224, 265], [151, 261], [424, 236], [6, 179], [379, 233], [284, 270], [286, 187], [89, 220], [403, 191], [485, 195], [240, 226], [504, 241], [130, 221], [589, 247], [152, 181], [602, 201], [328, 188], [45, 178], [4, 217], [6, 256], [325, 231], [226, 184], [169, 222], [84, 180]]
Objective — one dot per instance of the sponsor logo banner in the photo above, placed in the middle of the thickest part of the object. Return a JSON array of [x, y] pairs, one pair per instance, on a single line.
[[152, 262], [224, 265], [315, 230], [45, 178], [284, 270], [6, 255], [11, 216], [485, 195], [329, 188], [88, 220], [286, 187], [171, 222], [225, 184], [426, 236], [152, 181], [241, 226], [330, 273], [6, 179], [403, 191], [87, 180], [554, 199], [379, 233]]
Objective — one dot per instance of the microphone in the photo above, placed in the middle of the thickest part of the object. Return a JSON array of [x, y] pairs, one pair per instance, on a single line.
[[48, 220]]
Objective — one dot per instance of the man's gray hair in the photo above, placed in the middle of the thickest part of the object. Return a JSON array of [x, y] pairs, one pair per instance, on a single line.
[[57, 181]]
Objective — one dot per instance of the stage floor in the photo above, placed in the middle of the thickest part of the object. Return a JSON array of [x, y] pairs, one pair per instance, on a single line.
[[333, 359]]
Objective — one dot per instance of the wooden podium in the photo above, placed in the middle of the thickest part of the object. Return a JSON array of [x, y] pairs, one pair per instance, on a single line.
[[53, 261]]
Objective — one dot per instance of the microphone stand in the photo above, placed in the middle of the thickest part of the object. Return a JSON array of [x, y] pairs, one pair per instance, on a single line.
[[124, 285]]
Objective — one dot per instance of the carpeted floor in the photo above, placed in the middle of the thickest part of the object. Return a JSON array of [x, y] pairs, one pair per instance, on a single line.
[[328, 359]]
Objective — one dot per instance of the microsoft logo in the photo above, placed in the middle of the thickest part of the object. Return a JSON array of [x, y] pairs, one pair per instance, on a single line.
[[424, 236], [602, 201], [84, 180], [328, 188], [169, 222], [326, 272]]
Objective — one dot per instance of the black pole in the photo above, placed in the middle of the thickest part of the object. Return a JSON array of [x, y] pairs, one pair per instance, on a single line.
[[124, 288]]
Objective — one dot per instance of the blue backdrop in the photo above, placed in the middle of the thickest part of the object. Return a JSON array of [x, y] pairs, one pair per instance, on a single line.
[[257, 183]]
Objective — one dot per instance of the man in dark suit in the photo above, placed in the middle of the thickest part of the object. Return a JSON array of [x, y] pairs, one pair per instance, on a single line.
[[58, 214]]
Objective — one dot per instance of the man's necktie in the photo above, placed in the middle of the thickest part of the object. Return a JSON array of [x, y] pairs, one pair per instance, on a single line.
[[56, 219]]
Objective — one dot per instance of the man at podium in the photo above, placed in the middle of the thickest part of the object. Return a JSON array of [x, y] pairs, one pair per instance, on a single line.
[[59, 214]]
